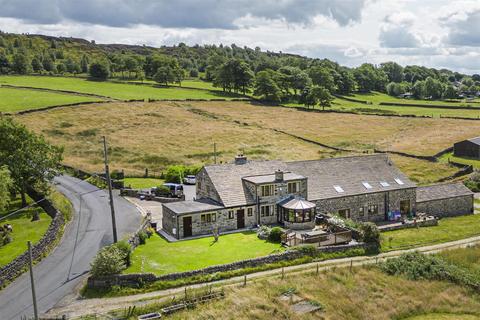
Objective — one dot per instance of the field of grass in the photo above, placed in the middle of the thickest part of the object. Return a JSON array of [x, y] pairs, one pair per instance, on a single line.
[[154, 135], [444, 316], [471, 162], [110, 89], [142, 183], [187, 83], [448, 229], [14, 100], [23, 230], [378, 97], [367, 293], [161, 257]]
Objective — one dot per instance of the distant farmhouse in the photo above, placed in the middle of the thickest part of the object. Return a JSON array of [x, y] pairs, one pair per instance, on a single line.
[[245, 194], [469, 148]]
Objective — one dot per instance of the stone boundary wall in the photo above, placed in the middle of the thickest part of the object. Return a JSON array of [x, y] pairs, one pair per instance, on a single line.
[[15, 268], [58, 91], [462, 172], [134, 240], [441, 153], [136, 280], [404, 154], [432, 106]]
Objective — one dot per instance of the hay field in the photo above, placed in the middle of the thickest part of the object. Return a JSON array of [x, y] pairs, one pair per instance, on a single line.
[[154, 135]]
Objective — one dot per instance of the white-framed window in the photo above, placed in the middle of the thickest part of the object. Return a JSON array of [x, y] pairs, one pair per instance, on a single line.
[[249, 212], [267, 190], [344, 213], [293, 187], [361, 211], [372, 209], [231, 214], [267, 210], [208, 217]]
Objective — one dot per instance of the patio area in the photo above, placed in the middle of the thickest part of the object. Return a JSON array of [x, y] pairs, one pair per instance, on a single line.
[[319, 235]]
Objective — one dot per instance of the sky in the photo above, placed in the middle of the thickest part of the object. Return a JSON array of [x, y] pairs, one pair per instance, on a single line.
[[433, 33]]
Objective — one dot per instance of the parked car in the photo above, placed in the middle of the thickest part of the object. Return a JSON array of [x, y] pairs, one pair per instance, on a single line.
[[169, 190], [190, 179]]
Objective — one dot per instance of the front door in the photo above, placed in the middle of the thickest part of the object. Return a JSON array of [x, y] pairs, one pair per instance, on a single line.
[[405, 207], [187, 227], [240, 219]]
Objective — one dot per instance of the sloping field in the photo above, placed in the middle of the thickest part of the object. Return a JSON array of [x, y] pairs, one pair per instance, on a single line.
[[411, 135], [15, 100], [109, 89], [154, 135]]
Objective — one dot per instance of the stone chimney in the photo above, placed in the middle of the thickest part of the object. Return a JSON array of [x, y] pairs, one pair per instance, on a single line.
[[278, 175], [240, 159]]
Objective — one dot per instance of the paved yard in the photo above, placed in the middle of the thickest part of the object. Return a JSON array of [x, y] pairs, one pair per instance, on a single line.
[[155, 207]]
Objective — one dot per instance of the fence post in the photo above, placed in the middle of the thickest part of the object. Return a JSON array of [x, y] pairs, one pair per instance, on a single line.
[[351, 265], [245, 280], [283, 273], [317, 269]]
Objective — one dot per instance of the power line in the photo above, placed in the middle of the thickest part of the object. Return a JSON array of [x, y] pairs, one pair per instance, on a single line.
[[21, 209]]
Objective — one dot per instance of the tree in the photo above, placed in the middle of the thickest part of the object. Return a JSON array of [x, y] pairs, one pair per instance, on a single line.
[[4, 64], [370, 78], [346, 83], [32, 162], [393, 70], [395, 89], [266, 87], [99, 70], [5, 187], [84, 64], [418, 89], [313, 95], [433, 88], [164, 75], [20, 64], [234, 74], [130, 64], [322, 77], [108, 261], [36, 65], [449, 93], [48, 64]]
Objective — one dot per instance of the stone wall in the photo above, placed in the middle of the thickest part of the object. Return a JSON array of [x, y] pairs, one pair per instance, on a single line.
[[15, 268], [447, 207], [136, 280], [391, 199], [205, 188], [169, 221]]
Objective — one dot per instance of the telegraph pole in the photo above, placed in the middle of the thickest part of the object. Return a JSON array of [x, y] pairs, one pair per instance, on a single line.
[[34, 296], [109, 184], [215, 153]]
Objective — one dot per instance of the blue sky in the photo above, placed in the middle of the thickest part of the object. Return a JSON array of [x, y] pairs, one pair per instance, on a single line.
[[441, 33]]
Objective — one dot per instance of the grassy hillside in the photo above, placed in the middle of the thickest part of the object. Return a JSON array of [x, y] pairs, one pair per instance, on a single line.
[[154, 135], [14, 100], [110, 89]]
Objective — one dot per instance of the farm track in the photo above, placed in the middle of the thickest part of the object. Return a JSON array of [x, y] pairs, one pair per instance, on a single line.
[[82, 307]]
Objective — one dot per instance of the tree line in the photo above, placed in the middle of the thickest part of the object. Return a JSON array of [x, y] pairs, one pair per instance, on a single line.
[[267, 75]]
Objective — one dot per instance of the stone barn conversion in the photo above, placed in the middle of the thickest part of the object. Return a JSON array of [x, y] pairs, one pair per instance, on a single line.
[[245, 194], [469, 148]]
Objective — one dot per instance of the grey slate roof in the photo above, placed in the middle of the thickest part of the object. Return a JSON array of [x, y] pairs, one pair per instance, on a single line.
[[349, 173], [475, 140], [442, 191], [269, 178], [227, 179], [323, 175], [183, 207]]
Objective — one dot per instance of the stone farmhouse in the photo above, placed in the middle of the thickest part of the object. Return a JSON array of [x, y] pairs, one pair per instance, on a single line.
[[245, 194]]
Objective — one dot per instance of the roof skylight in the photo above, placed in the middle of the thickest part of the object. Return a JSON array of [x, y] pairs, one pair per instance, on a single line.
[[400, 182], [339, 189], [367, 185], [384, 184]]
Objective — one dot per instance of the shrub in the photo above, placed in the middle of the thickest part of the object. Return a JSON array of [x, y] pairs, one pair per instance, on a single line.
[[473, 183], [370, 233], [264, 232], [309, 250], [126, 250], [275, 234], [175, 174], [108, 261], [142, 237], [99, 70]]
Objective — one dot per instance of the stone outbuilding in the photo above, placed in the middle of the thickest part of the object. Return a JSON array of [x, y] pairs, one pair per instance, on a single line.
[[445, 200], [245, 194], [469, 148]]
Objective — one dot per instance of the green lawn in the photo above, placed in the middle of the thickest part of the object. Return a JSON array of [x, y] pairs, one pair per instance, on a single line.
[[161, 257], [23, 230], [448, 229], [14, 100], [142, 183], [110, 89], [188, 83], [467, 161], [377, 97], [444, 316]]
